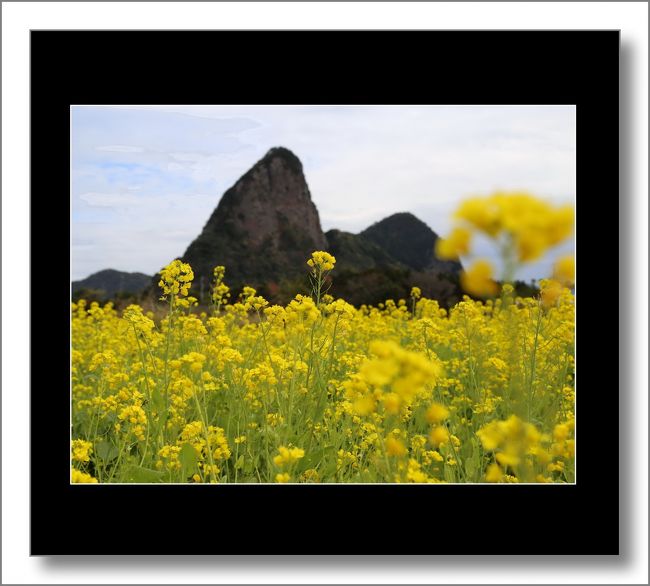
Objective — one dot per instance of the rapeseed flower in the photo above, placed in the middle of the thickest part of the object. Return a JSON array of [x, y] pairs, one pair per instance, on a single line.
[[455, 245], [321, 262], [176, 278], [77, 476], [564, 271], [395, 447], [81, 450], [288, 456], [477, 280], [437, 413]]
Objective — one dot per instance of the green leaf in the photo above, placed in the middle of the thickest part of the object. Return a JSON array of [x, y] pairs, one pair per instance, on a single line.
[[449, 474], [189, 460], [106, 451], [140, 474], [470, 467], [472, 463], [157, 400], [314, 458], [328, 470], [239, 464]]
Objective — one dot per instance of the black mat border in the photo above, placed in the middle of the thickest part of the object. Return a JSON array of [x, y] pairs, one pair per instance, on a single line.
[[327, 67]]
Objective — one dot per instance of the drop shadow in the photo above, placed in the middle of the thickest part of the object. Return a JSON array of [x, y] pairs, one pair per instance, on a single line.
[[315, 562], [529, 562], [626, 307]]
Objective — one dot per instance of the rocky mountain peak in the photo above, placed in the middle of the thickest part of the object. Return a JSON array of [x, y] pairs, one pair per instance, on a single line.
[[264, 226], [284, 155]]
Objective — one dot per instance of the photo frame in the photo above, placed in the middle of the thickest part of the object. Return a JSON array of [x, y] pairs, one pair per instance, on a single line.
[[344, 67]]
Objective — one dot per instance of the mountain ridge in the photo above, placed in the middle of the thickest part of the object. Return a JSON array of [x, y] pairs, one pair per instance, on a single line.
[[109, 283], [266, 225]]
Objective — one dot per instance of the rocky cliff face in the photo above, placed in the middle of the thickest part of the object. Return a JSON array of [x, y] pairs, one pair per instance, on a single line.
[[264, 228]]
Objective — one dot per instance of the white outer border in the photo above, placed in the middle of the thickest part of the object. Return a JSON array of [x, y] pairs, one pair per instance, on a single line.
[[18, 18]]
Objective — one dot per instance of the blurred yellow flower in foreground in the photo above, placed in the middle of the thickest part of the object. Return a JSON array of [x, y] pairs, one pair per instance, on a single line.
[[477, 280], [455, 245], [564, 271], [523, 226]]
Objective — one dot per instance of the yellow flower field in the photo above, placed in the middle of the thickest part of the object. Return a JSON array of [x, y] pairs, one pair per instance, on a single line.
[[321, 391]]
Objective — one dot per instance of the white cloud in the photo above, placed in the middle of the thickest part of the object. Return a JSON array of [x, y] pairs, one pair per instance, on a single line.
[[119, 148], [112, 200]]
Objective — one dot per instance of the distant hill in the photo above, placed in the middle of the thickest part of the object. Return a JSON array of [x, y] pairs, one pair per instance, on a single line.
[[355, 253], [371, 267], [110, 283], [410, 241]]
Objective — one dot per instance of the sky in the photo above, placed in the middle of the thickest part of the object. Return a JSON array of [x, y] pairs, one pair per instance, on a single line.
[[145, 179]]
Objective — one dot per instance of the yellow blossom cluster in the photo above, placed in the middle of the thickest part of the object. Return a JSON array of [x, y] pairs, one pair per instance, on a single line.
[[220, 291], [176, 278], [523, 226], [533, 224], [393, 378], [288, 455], [79, 477], [321, 261]]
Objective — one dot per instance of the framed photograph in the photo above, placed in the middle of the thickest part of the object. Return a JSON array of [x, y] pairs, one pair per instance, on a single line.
[[325, 279]]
